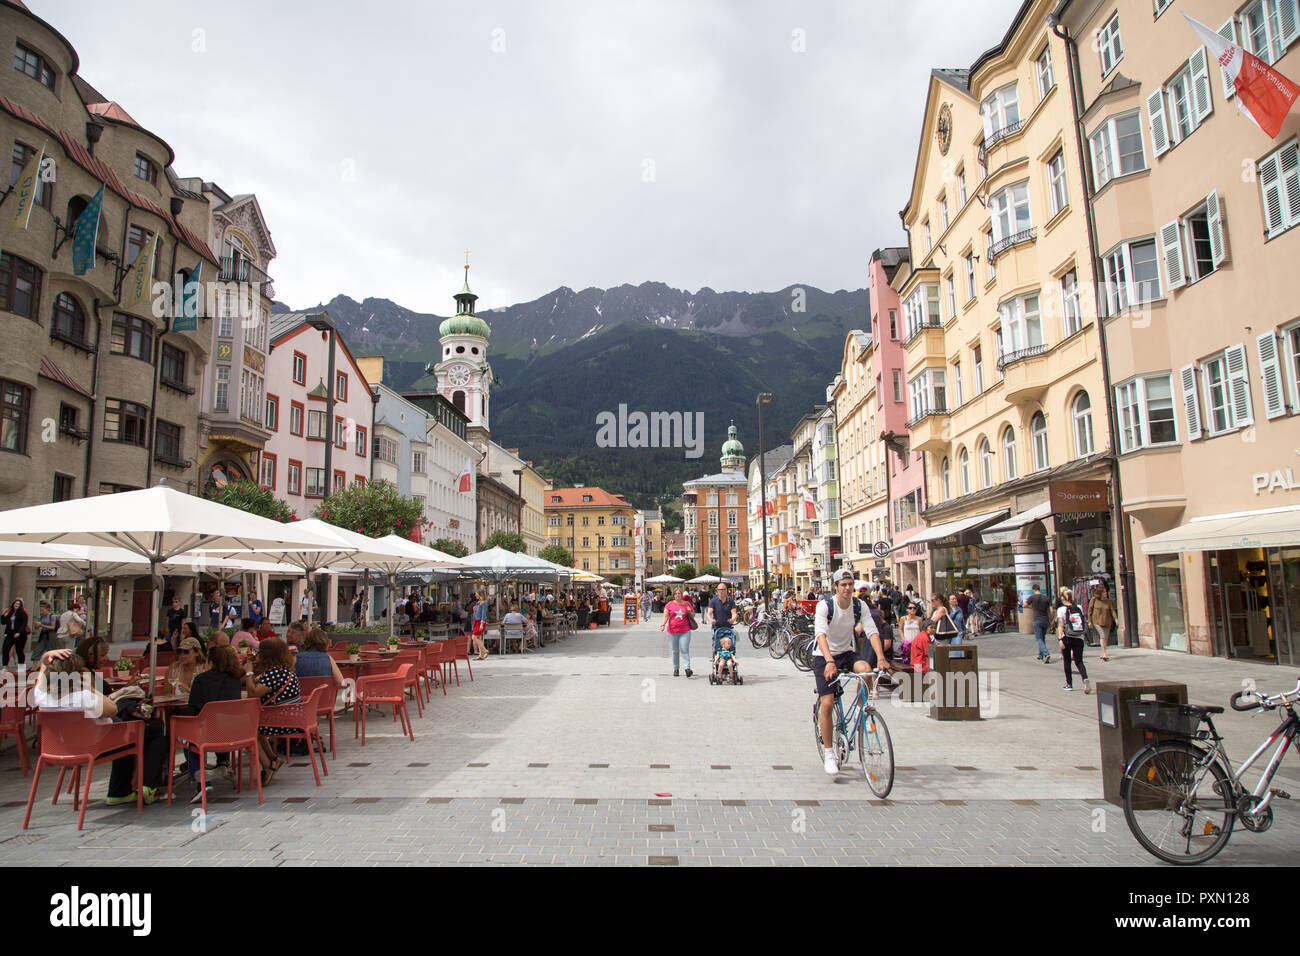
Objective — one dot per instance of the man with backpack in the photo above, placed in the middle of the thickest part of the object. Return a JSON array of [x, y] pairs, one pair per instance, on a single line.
[[1073, 627]]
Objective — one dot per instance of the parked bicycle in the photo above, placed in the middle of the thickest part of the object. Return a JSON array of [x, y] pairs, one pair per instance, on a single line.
[[1181, 797], [860, 730]]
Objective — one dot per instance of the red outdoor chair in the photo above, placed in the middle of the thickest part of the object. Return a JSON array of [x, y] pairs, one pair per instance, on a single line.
[[339, 652], [71, 739], [303, 718], [462, 653], [222, 726], [11, 723], [325, 710], [384, 689], [446, 664], [414, 658]]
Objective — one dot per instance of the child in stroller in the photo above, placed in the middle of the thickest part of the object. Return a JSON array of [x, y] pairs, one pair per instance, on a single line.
[[724, 657]]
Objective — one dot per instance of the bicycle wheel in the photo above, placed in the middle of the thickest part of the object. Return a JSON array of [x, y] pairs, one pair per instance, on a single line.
[[801, 654], [816, 726], [876, 753], [1180, 811], [780, 644], [760, 635]]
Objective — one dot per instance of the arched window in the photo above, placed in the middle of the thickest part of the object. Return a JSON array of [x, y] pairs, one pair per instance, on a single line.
[[945, 479], [963, 471], [986, 464], [69, 321], [458, 399], [1081, 412], [1038, 438], [1009, 453]]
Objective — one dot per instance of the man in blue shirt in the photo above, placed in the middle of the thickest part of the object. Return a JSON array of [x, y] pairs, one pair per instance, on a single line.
[[722, 609]]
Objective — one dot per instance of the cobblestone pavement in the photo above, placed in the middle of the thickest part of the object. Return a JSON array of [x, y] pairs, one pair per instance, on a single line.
[[589, 751]]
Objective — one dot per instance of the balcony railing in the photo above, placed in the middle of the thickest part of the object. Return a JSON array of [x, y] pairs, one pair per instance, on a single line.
[[997, 248], [166, 458], [236, 269], [1001, 134], [176, 385], [59, 335], [940, 408], [72, 431], [918, 329], [1016, 356]]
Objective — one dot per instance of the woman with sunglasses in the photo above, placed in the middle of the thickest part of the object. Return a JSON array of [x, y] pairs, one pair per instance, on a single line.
[[189, 664]]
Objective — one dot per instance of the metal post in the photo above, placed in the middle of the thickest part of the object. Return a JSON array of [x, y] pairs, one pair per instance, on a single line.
[[764, 398]]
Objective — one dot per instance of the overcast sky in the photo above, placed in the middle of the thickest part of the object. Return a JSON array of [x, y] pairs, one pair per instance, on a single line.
[[563, 143]]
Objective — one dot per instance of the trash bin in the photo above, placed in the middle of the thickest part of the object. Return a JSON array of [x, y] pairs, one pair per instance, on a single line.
[[1119, 739], [956, 682], [583, 615]]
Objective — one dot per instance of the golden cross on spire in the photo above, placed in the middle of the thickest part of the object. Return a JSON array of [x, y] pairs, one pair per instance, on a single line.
[[467, 261]]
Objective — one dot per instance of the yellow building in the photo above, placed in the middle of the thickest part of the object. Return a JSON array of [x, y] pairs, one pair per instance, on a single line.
[[596, 526], [1002, 350], [864, 495]]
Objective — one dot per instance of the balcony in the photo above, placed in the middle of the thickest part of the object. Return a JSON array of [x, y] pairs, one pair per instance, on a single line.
[[998, 135], [929, 429], [237, 269], [916, 331], [1025, 375], [1002, 245]]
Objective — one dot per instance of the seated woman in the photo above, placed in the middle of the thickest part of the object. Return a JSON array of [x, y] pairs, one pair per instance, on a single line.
[[93, 650], [245, 633], [222, 680], [273, 682], [264, 630], [64, 683], [189, 664], [513, 620], [314, 659]]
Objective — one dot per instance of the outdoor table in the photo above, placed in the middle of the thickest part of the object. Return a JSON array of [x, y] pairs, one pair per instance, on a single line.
[[163, 706]]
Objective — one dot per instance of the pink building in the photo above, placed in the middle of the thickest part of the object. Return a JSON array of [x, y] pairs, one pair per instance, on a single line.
[[905, 472]]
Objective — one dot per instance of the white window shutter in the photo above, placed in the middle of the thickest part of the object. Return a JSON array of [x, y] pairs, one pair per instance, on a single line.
[[1191, 402], [1289, 15], [1290, 177], [1288, 361], [1202, 103], [1214, 218], [1270, 376], [1156, 121], [1239, 385], [1171, 249], [1229, 32], [1270, 185]]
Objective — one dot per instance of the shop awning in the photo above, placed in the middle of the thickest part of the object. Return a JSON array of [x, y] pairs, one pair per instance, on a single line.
[[1007, 531], [1273, 528], [949, 528]]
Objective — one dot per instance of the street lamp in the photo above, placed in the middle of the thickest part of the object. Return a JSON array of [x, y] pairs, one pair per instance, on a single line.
[[764, 398], [520, 473]]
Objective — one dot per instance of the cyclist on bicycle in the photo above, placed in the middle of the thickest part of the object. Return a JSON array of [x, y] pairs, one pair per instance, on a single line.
[[835, 651]]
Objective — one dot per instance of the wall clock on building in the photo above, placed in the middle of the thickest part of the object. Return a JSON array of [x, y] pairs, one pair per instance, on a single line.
[[943, 131], [459, 375]]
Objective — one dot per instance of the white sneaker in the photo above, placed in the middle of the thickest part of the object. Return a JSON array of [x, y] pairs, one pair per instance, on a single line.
[[831, 764], [1087, 686]]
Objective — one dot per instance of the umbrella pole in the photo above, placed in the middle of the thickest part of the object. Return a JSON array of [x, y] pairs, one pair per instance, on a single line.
[[310, 600], [391, 605], [155, 581]]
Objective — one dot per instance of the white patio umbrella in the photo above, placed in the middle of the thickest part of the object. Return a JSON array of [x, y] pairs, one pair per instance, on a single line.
[[406, 555], [705, 579], [87, 561], [664, 579], [498, 564], [157, 524]]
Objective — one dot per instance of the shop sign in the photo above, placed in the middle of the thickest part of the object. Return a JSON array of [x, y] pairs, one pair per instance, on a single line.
[[1079, 521], [916, 550], [881, 549], [47, 572], [1074, 497], [1282, 479], [879, 563], [863, 547]]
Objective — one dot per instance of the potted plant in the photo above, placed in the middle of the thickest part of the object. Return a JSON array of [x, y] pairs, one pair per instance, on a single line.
[[393, 642], [354, 652], [122, 666]]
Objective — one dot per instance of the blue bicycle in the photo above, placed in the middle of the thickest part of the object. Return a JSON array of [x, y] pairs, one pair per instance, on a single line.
[[861, 730]]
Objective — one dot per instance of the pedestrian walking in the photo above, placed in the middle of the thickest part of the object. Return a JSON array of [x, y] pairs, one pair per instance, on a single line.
[[47, 625], [958, 617], [678, 622], [1101, 615], [17, 627], [72, 626], [479, 616], [942, 625], [1071, 623], [1040, 607]]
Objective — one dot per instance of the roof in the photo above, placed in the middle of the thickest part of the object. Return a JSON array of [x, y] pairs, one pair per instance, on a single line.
[[55, 374], [112, 111], [87, 92], [1006, 39], [721, 478], [178, 188], [282, 323], [957, 79], [572, 498]]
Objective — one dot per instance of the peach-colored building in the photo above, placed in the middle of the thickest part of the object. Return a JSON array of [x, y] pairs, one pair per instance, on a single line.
[[1196, 212]]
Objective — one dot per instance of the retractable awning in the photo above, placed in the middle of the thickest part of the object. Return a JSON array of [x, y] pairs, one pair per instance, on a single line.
[[949, 528], [1007, 531], [1272, 528]]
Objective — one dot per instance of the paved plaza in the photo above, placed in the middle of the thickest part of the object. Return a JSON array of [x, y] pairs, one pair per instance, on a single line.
[[589, 751]]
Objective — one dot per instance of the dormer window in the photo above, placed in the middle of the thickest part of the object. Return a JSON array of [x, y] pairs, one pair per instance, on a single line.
[[145, 169], [586, 499]]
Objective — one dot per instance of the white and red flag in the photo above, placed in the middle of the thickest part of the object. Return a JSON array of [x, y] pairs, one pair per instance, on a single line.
[[466, 477], [1263, 94], [809, 505]]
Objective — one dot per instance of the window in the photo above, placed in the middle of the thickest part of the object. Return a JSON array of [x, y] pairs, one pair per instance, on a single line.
[[28, 61], [926, 226], [340, 480], [893, 324], [957, 400], [1146, 412], [68, 419], [340, 433], [898, 385], [1193, 247], [1131, 275], [1056, 189], [386, 450], [921, 310], [272, 419], [970, 276], [1081, 413], [1177, 110], [62, 487], [943, 213], [1022, 325], [15, 410], [137, 241], [945, 479], [167, 444], [927, 393], [315, 483], [1289, 356], [1162, 6], [731, 519], [1116, 149], [961, 186], [1010, 211], [1009, 453], [977, 361], [316, 424], [417, 462], [951, 284], [986, 464], [126, 422], [988, 245], [1227, 393], [131, 335], [963, 471], [1267, 28], [600, 519], [299, 368], [268, 470], [362, 445], [1001, 114], [22, 155], [983, 165], [1279, 183], [225, 321], [1038, 439], [221, 389], [295, 418], [341, 387], [295, 477], [20, 286], [68, 321], [145, 169], [1109, 45], [1043, 68], [1071, 313]]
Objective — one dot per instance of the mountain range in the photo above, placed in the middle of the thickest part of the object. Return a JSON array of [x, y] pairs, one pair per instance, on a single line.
[[562, 359]]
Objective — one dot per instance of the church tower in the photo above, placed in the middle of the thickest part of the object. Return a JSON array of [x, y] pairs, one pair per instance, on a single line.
[[463, 374], [733, 452]]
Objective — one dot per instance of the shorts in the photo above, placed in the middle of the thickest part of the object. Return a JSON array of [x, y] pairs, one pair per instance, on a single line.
[[843, 663]]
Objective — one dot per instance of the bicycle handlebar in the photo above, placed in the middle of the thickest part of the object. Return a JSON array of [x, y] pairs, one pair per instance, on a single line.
[[1232, 701], [1286, 698]]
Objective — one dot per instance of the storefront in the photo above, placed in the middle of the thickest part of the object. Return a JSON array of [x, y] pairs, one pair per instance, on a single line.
[[909, 563], [1233, 579], [959, 559]]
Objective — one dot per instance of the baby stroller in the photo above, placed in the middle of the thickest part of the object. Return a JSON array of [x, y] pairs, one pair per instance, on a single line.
[[733, 674], [985, 620]]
